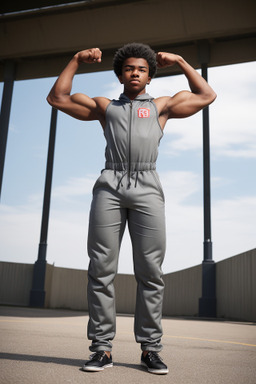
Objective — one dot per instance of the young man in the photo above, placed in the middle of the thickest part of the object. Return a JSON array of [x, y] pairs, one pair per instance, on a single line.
[[128, 190]]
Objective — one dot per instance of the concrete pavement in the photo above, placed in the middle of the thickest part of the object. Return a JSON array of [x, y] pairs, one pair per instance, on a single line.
[[49, 346]]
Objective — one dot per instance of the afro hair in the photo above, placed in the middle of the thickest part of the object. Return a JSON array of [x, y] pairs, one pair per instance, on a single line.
[[136, 50]]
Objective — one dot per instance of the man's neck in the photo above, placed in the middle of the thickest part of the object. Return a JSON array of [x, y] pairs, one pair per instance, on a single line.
[[133, 96]]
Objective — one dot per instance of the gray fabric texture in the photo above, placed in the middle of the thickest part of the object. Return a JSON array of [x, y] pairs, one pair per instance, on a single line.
[[128, 191]]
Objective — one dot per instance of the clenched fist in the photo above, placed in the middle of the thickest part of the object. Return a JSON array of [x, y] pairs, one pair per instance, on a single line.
[[165, 59], [89, 56]]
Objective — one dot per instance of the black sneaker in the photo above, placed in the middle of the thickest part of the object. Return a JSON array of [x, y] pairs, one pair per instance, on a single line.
[[98, 361], [153, 362]]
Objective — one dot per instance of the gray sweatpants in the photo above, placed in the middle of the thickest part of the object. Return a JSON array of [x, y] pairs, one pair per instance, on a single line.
[[138, 201]]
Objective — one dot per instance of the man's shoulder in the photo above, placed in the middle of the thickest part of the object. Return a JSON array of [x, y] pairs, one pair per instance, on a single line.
[[162, 101], [100, 100], [102, 103]]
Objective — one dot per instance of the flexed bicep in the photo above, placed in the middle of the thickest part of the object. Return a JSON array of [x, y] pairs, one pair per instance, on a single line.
[[185, 104], [77, 105]]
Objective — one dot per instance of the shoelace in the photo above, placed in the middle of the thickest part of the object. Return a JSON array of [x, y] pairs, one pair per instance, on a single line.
[[153, 356], [97, 356]]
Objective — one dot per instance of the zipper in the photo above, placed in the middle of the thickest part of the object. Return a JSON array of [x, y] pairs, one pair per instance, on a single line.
[[129, 146]]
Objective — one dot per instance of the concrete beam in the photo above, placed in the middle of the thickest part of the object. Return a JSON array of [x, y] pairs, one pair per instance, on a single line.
[[42, 42]]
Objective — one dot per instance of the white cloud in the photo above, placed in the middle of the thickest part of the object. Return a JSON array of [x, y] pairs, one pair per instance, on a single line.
[[19, 233], [233, 226], [74, 187], [249, 151], [179, 185], [113, 90], [67, 238], [233, 118]]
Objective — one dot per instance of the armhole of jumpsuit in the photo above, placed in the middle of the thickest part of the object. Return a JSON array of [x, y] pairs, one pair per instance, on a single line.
[[106, 113], [159, 185], [157, 115]]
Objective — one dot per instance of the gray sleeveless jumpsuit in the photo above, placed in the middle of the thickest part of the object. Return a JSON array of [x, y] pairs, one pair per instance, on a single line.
[[128, 191]]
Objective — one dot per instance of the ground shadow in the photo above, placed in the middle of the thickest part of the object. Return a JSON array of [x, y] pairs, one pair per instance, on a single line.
[[39, 312], [41, 359], [138, 367], [58, 360]]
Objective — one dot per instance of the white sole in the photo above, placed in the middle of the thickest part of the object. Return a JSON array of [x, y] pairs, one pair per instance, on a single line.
[[96, 369], [155, 371]]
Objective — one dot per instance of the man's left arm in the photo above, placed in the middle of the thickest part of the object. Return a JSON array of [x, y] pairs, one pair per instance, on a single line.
[[185, 103]]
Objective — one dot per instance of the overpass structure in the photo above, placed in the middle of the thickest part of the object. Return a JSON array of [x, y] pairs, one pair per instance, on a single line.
[[38, 37]]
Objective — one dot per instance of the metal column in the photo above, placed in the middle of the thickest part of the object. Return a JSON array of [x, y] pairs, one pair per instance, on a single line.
[[207, 303], [9, 75], [37, 293]]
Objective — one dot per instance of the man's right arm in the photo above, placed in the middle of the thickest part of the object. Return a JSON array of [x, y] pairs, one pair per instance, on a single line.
[[78, 105]]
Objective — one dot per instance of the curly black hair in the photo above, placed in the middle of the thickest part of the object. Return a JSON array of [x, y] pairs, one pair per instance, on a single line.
[[137, 50]]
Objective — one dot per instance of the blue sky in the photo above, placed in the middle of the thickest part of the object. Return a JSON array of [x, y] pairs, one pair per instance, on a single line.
[[79, 158]]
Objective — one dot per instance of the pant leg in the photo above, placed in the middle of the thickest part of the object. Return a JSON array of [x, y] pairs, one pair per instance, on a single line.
[[147, 229], [106, 228]]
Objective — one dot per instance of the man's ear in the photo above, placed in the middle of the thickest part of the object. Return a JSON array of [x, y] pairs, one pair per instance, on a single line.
[[120, 79], [149, 80]]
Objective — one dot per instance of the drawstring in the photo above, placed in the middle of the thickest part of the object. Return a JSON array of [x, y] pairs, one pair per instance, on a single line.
[[132, 174], [129, 180], [120, 181], [136, 179]]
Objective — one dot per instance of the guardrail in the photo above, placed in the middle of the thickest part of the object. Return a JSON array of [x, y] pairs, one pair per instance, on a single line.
[[67, 288]]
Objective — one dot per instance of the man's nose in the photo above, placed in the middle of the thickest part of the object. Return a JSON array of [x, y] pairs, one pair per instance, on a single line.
[[135, 72]]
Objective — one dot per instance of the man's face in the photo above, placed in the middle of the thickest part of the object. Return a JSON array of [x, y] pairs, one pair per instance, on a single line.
[[135, 75]]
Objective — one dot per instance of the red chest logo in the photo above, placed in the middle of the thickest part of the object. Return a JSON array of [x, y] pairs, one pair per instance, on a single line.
[[143, 112]]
